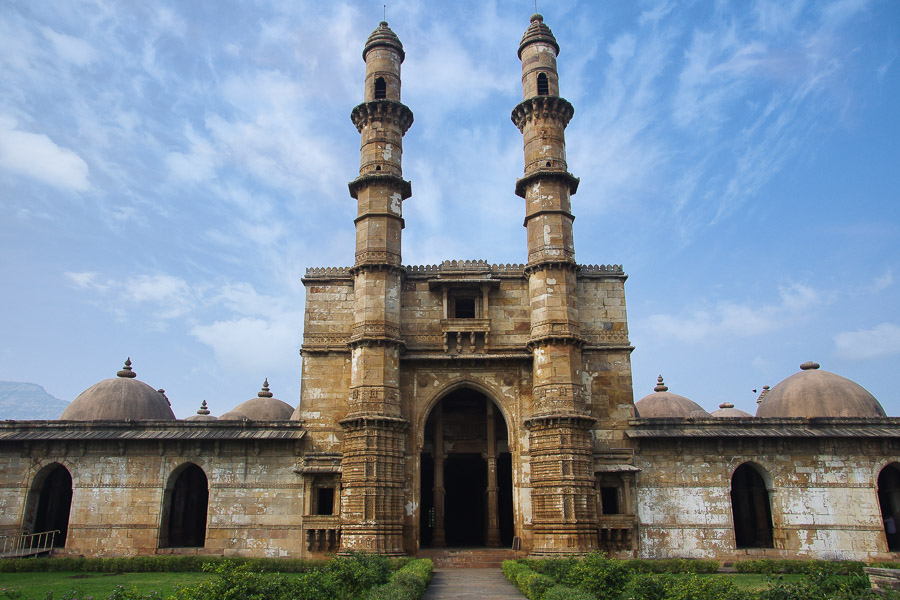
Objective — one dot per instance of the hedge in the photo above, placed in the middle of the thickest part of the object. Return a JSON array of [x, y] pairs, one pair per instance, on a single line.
[[537, 586], [770, 566], [155, 564], [407, 583]]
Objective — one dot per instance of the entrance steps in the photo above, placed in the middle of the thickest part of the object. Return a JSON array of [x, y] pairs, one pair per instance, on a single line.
[[469, 558]]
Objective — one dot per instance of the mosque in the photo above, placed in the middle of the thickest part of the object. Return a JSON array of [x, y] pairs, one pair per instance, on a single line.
[[463, 404]]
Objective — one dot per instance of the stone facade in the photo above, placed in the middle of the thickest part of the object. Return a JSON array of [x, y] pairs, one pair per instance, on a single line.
[[458, 404]]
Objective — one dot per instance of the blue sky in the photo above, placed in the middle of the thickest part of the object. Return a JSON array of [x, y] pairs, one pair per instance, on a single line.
[[168, 170]]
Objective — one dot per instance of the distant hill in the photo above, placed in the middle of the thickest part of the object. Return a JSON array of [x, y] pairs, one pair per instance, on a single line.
[[22, 401]]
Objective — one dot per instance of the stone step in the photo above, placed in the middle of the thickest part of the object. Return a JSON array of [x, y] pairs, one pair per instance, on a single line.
[[469, 558]]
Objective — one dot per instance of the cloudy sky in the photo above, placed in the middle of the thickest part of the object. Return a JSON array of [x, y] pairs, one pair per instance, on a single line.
[[168, 170]]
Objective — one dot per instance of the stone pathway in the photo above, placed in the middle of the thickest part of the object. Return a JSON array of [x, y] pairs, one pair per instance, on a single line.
[[470, 584]]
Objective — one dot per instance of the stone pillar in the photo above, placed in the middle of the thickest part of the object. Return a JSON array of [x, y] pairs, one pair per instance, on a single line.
[[563, 499], [373, 444], [439, 538], [492, 539]]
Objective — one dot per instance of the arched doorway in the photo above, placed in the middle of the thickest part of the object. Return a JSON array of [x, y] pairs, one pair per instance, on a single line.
[[49, 502], [750, 509], [889, 500], [184, 508], [466, 476]]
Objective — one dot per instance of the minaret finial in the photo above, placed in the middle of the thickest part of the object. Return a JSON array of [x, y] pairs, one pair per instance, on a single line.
[[385, 12]]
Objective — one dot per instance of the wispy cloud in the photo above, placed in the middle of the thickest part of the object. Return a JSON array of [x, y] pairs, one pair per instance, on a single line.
[[726, 320], [867, 344], [36, 156]]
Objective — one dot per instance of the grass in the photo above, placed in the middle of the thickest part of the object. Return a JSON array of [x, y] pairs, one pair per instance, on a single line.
[[756, 583], [98, 585]]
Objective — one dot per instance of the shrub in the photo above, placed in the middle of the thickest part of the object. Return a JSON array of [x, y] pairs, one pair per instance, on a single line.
[[148, 564], [561, 592], [597, 575], [673, 565]]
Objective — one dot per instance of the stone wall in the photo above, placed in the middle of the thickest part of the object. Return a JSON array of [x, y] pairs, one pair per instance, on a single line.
[[255, 498], [823, 496]]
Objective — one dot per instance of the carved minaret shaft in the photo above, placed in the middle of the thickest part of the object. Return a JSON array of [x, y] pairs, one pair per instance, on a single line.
[[372, 480], [563, 499]]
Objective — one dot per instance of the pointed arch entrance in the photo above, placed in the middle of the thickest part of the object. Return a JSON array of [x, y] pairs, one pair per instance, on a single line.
[[751, 509], [889, 501], [49, 503], [466, 474], [184, 508]]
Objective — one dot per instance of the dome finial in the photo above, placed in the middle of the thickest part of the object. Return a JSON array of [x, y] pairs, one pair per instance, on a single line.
[[265, 393], [809, 366], [203, 410], [726, 405], [126, 370], [660, 386]]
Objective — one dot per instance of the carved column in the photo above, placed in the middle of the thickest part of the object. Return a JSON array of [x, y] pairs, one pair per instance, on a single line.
[[439, 538], [493, 516]]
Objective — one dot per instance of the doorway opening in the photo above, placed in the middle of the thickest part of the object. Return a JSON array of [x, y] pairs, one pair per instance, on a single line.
[[889, 500], [185, 506], [751, 510], [466, 474], [49, 503]]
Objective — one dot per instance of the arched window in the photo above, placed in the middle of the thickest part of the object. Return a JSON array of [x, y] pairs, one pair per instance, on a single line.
[[380, 89], [49, 502], [889, 500], [750, 509], [184, 509], [543, 87]]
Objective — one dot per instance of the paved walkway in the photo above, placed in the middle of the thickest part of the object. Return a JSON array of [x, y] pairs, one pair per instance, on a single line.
[[470, 584]]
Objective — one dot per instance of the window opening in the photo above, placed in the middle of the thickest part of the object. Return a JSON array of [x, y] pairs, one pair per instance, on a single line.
[[609, 498], [543, 87], [325, 501], [380, 89], [464, 309]]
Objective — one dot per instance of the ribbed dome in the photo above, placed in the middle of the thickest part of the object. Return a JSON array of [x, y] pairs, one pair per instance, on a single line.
[[202, 414], [662, 404], [537, 32], [383, 36], [262, 408], [117, 399], [728, 411], [816, 393]]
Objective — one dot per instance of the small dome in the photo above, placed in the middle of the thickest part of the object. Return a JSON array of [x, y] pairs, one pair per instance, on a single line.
[[383, 36], [262, 408], [117, 399], [662, 404], [202, 414], [728, 411], [537, 32], [816, 393]]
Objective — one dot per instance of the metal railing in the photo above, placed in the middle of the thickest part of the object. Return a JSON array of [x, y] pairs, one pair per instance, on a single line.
[[26, 544]]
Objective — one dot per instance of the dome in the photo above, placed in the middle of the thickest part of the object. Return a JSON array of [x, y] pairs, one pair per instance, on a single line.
[[122, 397], [538, 32], [383, 36], [202, 414], [662, 404], [262, 408], [816, 393], [728, 411]]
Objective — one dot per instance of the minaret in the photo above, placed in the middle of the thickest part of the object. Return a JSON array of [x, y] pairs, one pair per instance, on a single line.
[[562, 497], [373, 444]]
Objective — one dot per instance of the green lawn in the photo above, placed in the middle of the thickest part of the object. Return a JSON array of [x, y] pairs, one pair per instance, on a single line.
[[98, 585], [757, 583]]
